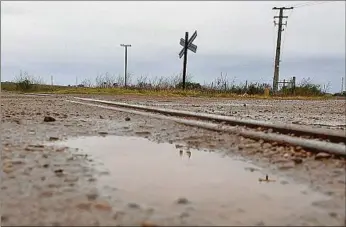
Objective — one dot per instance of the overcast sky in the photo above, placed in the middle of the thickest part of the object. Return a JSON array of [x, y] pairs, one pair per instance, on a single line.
[[82, 39]]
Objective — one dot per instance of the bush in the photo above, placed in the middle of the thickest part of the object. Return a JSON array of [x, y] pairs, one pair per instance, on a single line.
[[189, 85]]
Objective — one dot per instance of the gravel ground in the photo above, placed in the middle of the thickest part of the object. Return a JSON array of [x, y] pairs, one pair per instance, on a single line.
[[320, 114], [50, 185]]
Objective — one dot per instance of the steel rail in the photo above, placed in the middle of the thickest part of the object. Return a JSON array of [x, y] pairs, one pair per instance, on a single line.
[[312, 145], [337, 137]]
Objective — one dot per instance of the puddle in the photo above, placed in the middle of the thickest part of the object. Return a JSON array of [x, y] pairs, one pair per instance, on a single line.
[[217, 187]]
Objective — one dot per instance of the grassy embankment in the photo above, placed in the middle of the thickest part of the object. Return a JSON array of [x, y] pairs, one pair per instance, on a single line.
[[207, 93]]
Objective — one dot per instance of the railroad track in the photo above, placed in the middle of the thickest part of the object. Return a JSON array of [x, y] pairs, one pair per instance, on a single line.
[[312, 139]]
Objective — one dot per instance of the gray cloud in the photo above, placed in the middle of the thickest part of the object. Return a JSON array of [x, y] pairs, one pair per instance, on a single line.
[[69, 39]]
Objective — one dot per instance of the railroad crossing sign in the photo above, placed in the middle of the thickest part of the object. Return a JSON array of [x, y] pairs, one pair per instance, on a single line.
[[190, 45], [187, 45]]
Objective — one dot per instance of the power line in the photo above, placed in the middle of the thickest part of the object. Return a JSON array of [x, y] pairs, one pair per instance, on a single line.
[[310, 3]]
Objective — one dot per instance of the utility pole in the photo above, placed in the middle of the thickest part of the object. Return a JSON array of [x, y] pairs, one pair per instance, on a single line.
[[51, 80], [342, 85], [125, 45], [278, 45]]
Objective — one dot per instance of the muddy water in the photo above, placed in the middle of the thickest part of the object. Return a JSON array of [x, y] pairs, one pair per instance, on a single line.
[[207, 187]]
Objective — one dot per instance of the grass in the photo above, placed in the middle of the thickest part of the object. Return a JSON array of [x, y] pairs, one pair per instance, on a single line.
[[9, 86], [163, 88]]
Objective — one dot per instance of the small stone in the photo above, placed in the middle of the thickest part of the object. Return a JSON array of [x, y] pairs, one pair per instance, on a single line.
[[251, 169], [36, 145], [29, 149], [127, 119], [92, 196], [61, 149], [84, 206], [297, 160], [286, 166], [133, 205], [333, 214], [7, 169], [103, 133], [103, 206], [53, 138], [46, 194], [45, 166], [4, 218], [17, 162], [59, 172], [322, 155], [287, 155], [182, 201], [48, 119]]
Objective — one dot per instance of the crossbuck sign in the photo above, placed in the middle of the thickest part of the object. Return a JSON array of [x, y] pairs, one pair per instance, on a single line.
[[187, 45]]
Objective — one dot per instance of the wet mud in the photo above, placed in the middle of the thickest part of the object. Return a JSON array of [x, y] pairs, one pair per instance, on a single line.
[[94, 166]]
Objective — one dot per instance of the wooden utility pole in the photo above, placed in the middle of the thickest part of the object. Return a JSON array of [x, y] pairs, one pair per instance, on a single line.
[[342, 85], [278, 45]]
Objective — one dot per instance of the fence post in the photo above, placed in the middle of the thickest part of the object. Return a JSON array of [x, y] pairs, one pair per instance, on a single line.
[[294, 85]]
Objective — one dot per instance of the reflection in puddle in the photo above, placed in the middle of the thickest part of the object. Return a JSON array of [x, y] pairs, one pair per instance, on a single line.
[[159, 175]]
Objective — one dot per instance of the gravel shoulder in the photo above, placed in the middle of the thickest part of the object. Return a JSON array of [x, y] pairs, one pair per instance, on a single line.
[[315, 113], [39, 180]]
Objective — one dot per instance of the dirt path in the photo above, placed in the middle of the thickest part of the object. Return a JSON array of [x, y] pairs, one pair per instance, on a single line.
[[53, 185]]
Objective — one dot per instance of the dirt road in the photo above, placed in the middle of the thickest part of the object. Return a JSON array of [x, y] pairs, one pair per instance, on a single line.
[[94, 166]]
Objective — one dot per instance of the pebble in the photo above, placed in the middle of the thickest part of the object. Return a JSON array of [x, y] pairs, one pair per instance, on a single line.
[[46, 194], [297, 160], [17, 162], [59, 172], [4, 218], [127, 119], [92, 195], [133, 205], [103, 206], [53, 138], [84, 206], [322, 155], [251, 169], [48, 119], [182, 200], [285, 166]]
